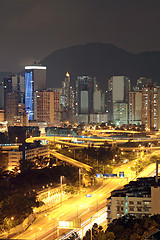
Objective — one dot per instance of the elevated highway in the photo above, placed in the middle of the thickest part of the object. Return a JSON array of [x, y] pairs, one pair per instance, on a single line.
[[70, 160], [96, 142]]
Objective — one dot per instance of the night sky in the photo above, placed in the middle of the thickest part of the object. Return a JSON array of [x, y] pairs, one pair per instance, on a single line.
[[32, 29]]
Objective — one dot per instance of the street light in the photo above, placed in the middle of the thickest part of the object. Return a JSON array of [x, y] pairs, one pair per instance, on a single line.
[[97, 198], [10, 223], [54, 136], [61, 177], [79, 179]]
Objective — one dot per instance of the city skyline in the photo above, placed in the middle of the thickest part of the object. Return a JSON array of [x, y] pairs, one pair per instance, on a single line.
[[30, 30]]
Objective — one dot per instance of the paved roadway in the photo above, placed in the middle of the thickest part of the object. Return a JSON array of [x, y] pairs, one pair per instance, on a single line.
[[45, 226]]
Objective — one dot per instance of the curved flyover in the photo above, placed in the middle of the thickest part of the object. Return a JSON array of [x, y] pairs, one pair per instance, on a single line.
[[61, 156], [70, 160]]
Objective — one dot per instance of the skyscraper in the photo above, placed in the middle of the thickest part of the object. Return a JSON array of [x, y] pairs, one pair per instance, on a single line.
[[85, 86], [2, 76], [67, 99], [150, 107], [135, 105], [13, 94], [35, 79], [118, 92], [47, 107]]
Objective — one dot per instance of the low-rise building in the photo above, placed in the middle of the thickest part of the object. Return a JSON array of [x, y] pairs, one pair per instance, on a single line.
[[28, 152], [14, 157], [136, 198]]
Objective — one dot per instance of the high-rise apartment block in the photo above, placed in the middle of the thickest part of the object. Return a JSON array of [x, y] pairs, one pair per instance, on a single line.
[[13, 95], [98, 101], [120, 87], [120, 113], [135, 105], [35, 80], [85, 87], [67, 100], [150, 107], [11, 107], [57, 109], [142, 81], [89, 99], [22, 118], [67, 92], [2, 76], [47, 107], [118, 95]]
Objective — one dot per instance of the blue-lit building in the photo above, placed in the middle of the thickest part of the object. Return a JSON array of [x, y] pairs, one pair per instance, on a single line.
[[35, 79]]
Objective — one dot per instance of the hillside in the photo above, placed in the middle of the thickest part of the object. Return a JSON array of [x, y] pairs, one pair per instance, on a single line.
[[100, 60]]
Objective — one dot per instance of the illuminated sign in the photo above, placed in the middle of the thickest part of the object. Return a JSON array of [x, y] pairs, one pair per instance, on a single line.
[[88, 195], [70, 224], [98, 175], [121, 174], [109, 175]]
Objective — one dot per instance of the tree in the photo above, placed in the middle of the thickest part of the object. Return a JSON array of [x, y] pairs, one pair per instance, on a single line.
[[3, 160], [110, 236], [26, 165], [135, 236]]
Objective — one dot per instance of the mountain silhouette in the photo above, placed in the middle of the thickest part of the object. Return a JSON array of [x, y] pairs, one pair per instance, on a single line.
[[102, 61]]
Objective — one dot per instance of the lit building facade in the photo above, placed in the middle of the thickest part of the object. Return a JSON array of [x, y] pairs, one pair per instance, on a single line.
[[1, 115], [1, 95], [67, 92], [57, 108], [135, 106], [29, 153], [13, 91], [35, 79], [120, 113], [11, 109], [133, 199], [120, 205], [141, 82], [21, 119], [2, 76], [67, 100], [150, 115], [139, 198], [98, 102], [47, 107], [85, 87], [118, 92]]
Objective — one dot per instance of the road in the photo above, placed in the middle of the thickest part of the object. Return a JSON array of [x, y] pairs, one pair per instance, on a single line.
[[45, 226], [88, 141]]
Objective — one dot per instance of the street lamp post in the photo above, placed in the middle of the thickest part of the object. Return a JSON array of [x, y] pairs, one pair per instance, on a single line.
[[79, 180], [61, 177], [91, 228], [54, 136]]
